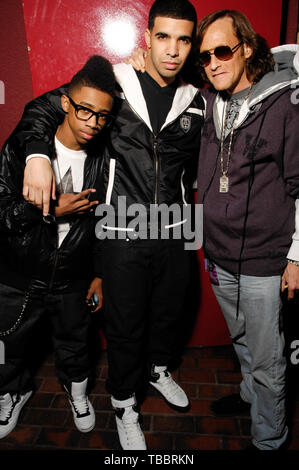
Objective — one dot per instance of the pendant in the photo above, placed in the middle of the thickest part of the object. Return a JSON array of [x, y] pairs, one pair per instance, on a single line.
[[223, 187]]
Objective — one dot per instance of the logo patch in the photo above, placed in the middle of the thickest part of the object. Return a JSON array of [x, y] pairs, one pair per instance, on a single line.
[[185, 123]]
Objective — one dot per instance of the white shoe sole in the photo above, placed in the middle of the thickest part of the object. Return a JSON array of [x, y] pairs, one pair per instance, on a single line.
[[85, 430]]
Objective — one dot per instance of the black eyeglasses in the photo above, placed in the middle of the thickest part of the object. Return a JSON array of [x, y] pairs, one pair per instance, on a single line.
[[221, 52], [84, 114]]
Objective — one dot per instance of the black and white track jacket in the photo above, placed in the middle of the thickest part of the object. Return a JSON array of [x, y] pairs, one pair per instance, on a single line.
[[144, 167]]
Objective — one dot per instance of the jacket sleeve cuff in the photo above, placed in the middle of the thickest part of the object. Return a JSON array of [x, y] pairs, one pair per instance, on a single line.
[[98, 258], [294, 249], [32, 213], [37, 155], [37, 147], [97, 267]]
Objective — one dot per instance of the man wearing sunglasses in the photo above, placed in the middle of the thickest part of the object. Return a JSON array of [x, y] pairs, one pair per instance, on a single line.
[[48, 264], [248, 183]]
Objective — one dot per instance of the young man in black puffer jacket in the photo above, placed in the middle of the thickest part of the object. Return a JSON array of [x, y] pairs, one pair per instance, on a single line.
[[52, 264]]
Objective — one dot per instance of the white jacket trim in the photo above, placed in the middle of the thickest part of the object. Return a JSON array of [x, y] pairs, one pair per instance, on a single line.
[[112, 163], [294, 249], [128, 80]]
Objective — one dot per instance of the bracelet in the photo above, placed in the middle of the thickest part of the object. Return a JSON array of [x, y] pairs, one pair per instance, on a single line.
[[293, 262]]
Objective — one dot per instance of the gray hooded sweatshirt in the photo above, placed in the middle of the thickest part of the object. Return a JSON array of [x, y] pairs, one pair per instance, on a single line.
[[254, 226]]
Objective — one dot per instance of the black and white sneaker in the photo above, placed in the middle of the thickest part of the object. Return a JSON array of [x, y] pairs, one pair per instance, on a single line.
[[83, 412], [130, 434], [10, 408], [174, 395]]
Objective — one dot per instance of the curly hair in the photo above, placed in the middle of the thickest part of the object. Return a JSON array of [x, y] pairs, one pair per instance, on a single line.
[[261, 60]]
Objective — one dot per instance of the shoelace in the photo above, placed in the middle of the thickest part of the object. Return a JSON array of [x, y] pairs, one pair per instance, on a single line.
[[131, 426], [172, 386], [5, 411], [81, 405]]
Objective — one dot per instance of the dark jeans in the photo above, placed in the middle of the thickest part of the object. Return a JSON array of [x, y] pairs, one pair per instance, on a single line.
[[70, 319], [144, 286]]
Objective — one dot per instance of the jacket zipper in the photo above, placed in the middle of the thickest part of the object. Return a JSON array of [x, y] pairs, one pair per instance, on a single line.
[[155, 148], [156, 143], [84, 185], [156, 171], [57, 255], [54, 269]]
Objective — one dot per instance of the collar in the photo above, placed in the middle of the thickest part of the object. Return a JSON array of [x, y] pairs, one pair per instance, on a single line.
[[132, 92]]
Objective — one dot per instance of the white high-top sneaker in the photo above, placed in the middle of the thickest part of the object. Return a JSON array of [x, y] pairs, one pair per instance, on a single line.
[[83, 412], [10, 408], [174, 395], [130, 434]]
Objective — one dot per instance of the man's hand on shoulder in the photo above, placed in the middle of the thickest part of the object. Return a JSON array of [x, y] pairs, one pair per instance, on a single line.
[[71, 203], [39, 183], [137, 59]]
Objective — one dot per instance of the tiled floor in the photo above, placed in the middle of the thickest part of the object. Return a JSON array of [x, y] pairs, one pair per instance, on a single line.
[[205, 373]]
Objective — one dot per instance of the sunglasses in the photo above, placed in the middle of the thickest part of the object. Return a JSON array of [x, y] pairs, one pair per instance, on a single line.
[[221, 52]]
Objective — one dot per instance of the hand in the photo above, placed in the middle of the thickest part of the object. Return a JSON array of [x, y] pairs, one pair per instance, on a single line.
[[71, 203], [95, 288], [39, 183], [137, 59], [290, 280]]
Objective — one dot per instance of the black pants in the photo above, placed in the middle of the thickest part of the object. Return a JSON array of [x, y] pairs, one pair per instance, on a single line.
[[70, 320], [144, 286]]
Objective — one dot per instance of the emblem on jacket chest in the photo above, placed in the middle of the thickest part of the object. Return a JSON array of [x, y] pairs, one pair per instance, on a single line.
[[185, 123]]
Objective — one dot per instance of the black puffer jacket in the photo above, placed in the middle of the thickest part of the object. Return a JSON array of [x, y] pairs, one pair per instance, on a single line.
[[28, 245]]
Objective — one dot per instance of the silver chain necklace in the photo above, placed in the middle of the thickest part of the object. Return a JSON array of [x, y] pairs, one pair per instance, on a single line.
[[224, 180]]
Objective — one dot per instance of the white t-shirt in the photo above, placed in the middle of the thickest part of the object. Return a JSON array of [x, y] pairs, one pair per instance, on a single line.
[[69, 179]]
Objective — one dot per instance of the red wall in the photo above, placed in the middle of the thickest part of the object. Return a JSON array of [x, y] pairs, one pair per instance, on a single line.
[[292, 22], [62, 35], [15, 71]]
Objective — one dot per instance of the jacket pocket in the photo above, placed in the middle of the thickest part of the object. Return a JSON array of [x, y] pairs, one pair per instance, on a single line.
[[16, 304]]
